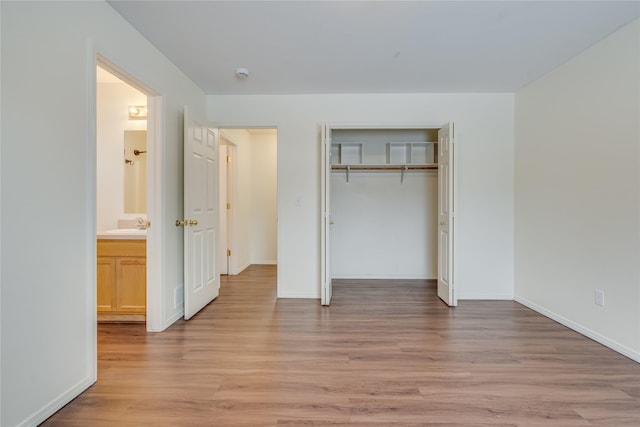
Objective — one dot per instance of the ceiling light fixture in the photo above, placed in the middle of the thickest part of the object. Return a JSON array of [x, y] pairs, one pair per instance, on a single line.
[[242, 73]]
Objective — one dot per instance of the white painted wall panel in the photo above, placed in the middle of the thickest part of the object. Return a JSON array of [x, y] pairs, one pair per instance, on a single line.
[[264, 189], [484, 132], [384, 229], [578, 192], [48, 263]]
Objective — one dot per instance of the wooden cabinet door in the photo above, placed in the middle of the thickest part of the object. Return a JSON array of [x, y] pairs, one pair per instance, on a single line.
[[106, 278], [131, 285]]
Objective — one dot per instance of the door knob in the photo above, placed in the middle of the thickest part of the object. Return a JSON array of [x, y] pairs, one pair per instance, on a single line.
[[193, 222], [180, 223]]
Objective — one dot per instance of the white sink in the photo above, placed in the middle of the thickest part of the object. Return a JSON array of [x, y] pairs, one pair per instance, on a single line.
[[126, 231]]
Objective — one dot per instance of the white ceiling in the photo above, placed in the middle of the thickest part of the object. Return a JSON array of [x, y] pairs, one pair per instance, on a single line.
[[303, 47]]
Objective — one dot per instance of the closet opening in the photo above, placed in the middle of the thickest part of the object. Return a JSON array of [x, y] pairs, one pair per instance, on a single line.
[[388, 206]]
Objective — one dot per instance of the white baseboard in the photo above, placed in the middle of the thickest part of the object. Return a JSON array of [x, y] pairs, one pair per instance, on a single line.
[[241, 269], [271, 262], [57, 403], [615, 346], [472, 296], [173, 319], [299, 296]]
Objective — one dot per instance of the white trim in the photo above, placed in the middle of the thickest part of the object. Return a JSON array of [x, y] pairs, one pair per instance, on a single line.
[[59, 402], [155, 213], [269, 262], [91, 315], [0, 234], [328, 128], [171, 320], [613, 345], [232, 219], [241, 268], [298, 295], [156, 303], [386, 125], [485, 297]]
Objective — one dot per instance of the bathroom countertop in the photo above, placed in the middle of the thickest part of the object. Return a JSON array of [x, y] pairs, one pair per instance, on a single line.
[[122, 234]]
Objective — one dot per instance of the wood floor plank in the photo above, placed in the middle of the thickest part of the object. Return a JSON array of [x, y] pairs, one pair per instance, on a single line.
[[385, 353]]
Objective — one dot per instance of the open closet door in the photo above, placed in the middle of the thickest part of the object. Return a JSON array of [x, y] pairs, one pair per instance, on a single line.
[[325, 253], [446, 219], [201, 205]]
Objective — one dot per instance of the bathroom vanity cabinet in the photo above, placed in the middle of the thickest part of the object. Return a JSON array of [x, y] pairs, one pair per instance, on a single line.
[[121, 276]]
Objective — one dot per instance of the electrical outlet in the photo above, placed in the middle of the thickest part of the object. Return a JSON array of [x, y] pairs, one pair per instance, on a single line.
[[598, 297]]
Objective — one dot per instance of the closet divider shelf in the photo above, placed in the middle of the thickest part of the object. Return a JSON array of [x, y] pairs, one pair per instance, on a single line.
[[400, 156]]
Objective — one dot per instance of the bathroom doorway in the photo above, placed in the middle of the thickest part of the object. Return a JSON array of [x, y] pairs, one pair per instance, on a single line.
[[127, 134]]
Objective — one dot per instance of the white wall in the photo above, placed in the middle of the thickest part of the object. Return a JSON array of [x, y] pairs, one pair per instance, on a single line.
[[484, 131], [112, 120], [264, 190], [384, 229], [578, 192], [48, 193]]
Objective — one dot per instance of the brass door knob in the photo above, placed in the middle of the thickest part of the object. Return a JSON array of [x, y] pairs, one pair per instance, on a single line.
[[180, 223], [193, 222]]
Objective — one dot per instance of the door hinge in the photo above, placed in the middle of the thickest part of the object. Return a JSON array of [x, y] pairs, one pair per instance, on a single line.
[[228, 206], [228, 159], [228, 252]]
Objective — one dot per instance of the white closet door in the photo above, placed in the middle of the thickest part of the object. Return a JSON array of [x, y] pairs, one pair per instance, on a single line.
[[446, 219], [325, 268]]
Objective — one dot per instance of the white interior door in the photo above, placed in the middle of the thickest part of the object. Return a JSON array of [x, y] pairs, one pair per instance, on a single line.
[[325, 267], [201, 205], [446, 218]]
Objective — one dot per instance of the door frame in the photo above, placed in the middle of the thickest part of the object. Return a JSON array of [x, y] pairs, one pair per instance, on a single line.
[[324, 217], [223, 199], [232, 186], [231, 181], [155, 180]]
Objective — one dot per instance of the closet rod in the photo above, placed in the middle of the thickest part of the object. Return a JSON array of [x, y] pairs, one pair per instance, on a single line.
[[353, 168]]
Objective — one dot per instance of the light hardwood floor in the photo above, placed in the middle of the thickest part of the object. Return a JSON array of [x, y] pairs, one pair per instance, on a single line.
[[386, 353]]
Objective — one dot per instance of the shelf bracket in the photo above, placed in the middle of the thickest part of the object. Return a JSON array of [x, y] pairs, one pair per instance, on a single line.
[[404, 169], [348, 170]]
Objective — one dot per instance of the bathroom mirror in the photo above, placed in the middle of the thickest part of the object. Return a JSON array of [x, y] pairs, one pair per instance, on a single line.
[[135, 171]]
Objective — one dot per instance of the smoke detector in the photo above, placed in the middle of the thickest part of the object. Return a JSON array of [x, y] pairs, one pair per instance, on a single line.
[[242, 73]]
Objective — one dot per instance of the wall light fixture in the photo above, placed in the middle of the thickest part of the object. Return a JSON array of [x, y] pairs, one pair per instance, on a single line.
[[137, 112]]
